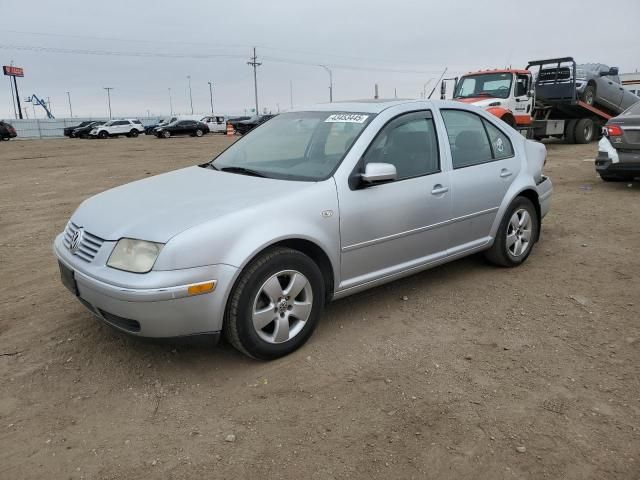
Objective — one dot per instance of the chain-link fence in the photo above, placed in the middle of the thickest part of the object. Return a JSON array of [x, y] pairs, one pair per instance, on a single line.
[[52, 128]]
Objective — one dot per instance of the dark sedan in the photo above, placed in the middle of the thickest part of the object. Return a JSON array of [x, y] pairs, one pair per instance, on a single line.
[[247, 125], [619, 149], [83, 132], [7, 131], [182, 127], [68, 131]]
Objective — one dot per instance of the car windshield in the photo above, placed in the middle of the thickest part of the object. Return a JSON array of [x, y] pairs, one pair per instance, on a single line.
[[484, 85], [304, 146]]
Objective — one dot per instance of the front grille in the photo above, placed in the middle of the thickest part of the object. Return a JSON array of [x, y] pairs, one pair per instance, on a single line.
[[549, 75], [88, 245]]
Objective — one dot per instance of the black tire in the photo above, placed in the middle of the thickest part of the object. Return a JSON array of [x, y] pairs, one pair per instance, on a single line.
[[238, 324], [199, 132], [134, 133], [570, 131], [103, 134], [585, 131], [589, 95], [499, 254], [165, 134]]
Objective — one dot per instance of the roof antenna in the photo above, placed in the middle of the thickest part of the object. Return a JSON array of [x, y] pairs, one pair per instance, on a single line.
[[434, 87]]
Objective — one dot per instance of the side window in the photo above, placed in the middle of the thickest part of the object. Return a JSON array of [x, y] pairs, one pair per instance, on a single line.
[[408, 142], [521, 85], [500, 144], [467, 137]]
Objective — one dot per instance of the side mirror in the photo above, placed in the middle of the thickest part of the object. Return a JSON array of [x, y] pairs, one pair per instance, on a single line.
[[379, 172]]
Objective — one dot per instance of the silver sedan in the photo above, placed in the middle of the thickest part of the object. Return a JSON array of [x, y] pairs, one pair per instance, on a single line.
[[311, 206]]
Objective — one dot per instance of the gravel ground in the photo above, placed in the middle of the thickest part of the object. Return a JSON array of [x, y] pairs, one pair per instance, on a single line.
[[463, 371]]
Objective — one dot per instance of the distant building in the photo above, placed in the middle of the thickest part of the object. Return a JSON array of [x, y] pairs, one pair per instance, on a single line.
[[631, 82]]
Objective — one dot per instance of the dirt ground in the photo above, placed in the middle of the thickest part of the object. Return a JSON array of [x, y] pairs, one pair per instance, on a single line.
[[465, 371]]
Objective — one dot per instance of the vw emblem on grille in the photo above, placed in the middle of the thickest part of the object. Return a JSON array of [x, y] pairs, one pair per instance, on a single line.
[[76, 240]]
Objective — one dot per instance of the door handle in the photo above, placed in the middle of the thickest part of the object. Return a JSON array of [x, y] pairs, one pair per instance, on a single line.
[[504, 173], [439, 189]]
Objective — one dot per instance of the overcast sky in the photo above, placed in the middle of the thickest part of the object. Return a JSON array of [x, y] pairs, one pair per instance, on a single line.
[[142, 49]]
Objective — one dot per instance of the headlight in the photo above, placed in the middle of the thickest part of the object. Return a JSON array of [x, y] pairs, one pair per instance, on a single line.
[[135, 256]]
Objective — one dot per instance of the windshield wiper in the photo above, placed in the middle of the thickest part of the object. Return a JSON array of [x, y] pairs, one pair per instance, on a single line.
[[243, 171]]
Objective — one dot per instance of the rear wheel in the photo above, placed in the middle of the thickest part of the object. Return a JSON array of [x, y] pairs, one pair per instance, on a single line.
[[275, 304], [585, 131], [570, 131], [516, 235]]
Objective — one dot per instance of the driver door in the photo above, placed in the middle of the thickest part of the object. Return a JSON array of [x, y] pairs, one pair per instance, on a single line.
[[390, 227]]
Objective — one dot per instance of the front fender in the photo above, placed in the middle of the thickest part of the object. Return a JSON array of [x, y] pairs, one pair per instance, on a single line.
[[499, 111]]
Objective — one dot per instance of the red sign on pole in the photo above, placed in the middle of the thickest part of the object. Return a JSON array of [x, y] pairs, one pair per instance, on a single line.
[[13, 71]]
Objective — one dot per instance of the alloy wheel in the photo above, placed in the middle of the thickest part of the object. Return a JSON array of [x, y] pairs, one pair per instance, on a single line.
[[519, 233], [282, 306]]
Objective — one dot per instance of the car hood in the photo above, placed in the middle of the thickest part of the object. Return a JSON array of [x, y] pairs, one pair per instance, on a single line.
[[482, 101], [159, 207]]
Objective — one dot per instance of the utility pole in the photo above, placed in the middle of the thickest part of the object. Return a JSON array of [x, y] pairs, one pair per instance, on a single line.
[[375, 94], [211, 95], [70, 109], [291, 94], [108, 89], [254, 63], [170, 103], [190, 96], [330, 82], [49, 103]]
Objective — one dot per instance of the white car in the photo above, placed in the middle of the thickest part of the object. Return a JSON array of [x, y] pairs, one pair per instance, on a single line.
[[129, 127], [216, 123]]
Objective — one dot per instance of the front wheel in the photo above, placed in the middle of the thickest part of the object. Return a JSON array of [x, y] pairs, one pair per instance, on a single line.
[[103, 134], [133, 133], [199, 133], [589, 95], [516, 235], [166, 134], [275, 305]]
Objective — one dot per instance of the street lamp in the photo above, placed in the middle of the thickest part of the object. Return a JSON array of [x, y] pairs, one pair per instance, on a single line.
[[211, 95], [328, 70], [170, 103], [190, 96], [108, 89]]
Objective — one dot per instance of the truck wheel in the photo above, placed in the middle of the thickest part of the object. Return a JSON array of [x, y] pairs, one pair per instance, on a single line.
[[570, 131], [589, 95], [585, 131]]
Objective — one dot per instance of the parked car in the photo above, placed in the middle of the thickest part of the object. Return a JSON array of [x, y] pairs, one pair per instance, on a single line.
[[83, 132], [245, 126], [68, 131], [182, 127], [150, 129], [314, 205], [618, 156], [216, 123], [233, 121], [114, 128], [7, 131]]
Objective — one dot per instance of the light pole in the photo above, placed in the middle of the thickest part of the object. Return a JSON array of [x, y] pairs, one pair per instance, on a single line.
[[108, 89], [70, 109], [211, 95], [330, 82], [170, 103], [190, 96], [424, 88]]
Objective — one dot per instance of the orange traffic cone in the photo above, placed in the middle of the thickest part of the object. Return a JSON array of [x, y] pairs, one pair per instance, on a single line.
[[230, 131]]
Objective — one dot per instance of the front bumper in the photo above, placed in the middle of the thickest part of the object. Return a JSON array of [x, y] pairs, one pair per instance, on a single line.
[[154, 304]]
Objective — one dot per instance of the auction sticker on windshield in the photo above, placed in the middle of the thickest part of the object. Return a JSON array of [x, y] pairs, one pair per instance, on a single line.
[[347, 117]]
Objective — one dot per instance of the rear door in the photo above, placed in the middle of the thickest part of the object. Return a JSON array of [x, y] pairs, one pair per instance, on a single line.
[[484, 166]]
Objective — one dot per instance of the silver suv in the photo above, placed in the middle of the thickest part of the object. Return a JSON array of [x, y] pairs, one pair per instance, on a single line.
[[114, 128], [311, 206]]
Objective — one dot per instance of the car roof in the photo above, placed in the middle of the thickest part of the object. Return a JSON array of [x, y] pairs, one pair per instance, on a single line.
[[376, 105]]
